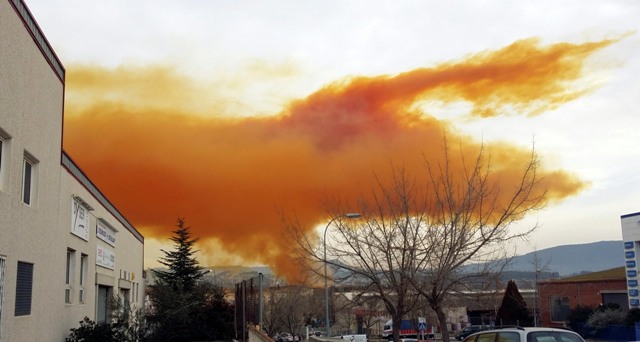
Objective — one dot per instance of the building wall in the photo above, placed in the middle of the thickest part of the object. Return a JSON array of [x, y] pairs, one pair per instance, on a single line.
[[575, 293], [39, 233], [631, 236], [126, 246], [31, 102]]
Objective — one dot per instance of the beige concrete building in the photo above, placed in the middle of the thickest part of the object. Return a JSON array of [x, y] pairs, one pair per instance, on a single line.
[[65, 250]]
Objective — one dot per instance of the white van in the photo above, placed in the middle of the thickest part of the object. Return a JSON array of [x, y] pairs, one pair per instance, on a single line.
[[355, 338]]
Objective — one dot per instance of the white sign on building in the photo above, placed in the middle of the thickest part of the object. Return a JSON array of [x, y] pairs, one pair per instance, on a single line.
[[79, 220], [105, 232], [105, 258]]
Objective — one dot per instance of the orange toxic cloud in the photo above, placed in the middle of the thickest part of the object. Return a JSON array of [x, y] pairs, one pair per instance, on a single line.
[[162, 146]]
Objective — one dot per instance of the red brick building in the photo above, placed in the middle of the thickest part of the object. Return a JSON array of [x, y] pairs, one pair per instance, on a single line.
[[557, 297]]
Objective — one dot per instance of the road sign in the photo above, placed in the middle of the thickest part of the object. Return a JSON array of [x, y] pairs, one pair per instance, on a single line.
[[422, 326]]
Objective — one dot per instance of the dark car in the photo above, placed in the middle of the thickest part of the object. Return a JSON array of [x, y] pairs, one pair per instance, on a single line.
[[470, 330], [284, 337]]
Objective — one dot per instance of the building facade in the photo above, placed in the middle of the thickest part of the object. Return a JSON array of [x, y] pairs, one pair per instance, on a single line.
[[631, 237], [65, 250], [559, 296]]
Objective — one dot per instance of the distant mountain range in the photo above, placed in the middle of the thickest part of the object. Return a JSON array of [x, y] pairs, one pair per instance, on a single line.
[[555, 262], [568, 260]]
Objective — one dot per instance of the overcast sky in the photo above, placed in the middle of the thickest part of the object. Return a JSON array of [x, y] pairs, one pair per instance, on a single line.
[[261, 55]]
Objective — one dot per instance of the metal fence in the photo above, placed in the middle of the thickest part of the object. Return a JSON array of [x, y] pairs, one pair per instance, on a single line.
[[249, 305]]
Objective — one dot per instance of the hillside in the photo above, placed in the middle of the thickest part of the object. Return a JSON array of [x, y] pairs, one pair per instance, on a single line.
[[554, 262], [573, 259]]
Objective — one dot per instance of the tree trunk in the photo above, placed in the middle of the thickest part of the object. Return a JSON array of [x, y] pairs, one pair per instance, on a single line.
[[396, 329], [442, 320]]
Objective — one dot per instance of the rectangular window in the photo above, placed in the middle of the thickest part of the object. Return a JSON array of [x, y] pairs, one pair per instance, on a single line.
[[68, 291], [488, 337], [24, 288], [2, 144], [2, 263], [26, 181], [29, 178], [559, 309], [508, 337], [84, 264], [5, 143], [124, 300]]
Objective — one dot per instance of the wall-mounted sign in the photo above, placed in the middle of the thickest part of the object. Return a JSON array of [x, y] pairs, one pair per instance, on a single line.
[[632, 283], [629, 255], [105, 258], [633, 293], [79, 220], [632, 273], [634, 302], [105, 232], [628, 244]]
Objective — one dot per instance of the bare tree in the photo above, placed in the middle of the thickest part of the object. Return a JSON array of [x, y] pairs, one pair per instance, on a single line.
[[293, 307], [272, 309], [371, 312], [428, 237], [376, 254], [288, 308]]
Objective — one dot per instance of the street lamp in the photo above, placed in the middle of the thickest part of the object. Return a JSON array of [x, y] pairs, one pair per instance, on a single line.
[[326, 285], [535, 301]]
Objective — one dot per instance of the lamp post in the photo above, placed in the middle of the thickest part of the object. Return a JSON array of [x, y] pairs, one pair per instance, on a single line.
[[535, 301], [326, 284]]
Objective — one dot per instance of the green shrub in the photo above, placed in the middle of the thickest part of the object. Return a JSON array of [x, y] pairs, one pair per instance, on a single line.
[[579, 315], [90, 331], [604, 317]]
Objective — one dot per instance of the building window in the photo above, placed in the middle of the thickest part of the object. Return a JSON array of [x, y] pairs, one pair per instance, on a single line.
[[2, 263], [5, 143], [559, 309], [24, 288], [124, 306], [29, 178], [68, 290], [84, 264]]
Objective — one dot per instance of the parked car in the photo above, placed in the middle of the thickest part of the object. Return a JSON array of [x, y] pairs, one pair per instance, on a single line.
[[470, 330], [519, 334], [284, 337]]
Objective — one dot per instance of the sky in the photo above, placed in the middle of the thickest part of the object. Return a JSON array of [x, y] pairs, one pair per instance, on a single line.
[[233, 114]]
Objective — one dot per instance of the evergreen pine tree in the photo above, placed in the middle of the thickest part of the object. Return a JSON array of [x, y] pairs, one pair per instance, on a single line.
[[184, 270], [182, 307], [513, 310]]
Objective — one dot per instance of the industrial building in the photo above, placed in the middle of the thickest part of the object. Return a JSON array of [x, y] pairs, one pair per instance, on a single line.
[[65, 250], [631, 237]]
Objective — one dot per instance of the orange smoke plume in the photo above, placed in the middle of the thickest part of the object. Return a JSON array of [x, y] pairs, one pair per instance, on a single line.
[[149, 139]]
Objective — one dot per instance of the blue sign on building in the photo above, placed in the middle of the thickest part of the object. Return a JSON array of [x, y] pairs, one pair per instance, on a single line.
[[634, 302], [632, 273], [632, 283], [628, 244], [630, 254], [631, 263]]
